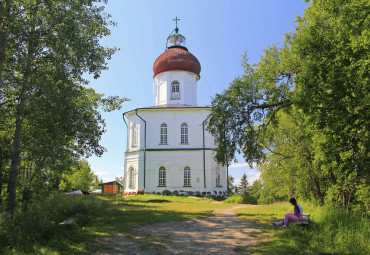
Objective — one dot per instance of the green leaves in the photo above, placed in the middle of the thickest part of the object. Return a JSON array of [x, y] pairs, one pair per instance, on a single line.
[[302, 112], [50, 45]]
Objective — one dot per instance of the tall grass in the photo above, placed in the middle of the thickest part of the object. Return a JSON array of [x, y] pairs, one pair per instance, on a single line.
[[30, 230], [331, 230], [342, 232]]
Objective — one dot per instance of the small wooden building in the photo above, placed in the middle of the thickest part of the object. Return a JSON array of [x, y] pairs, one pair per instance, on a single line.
[[111, 187]]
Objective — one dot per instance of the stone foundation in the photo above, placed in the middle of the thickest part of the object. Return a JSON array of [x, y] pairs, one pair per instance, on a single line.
[[167, 192]]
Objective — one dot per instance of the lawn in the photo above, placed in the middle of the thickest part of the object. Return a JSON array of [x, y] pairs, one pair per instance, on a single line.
[[37, 230]]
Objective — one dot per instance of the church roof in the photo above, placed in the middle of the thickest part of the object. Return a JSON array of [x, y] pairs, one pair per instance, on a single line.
[[176, 106], [176, 59], [170, 106]]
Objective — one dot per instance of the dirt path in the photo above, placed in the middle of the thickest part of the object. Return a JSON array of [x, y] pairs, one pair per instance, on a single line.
[[222, 234]]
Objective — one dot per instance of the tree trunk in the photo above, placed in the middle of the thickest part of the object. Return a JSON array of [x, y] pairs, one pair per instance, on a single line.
[[15, 157], [17, 139], [2, 171]]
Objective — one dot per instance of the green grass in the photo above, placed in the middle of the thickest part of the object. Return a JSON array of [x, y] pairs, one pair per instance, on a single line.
[[37, 231], [330, 231]]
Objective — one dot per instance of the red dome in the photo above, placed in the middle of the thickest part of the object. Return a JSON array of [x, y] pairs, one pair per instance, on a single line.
[[176, 58]]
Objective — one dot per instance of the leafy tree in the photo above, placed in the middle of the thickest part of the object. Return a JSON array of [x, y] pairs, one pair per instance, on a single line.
[[81, 177], [54, 119], [302, 112], [243, 185], [256, 189], [231, 188], [332, 45]]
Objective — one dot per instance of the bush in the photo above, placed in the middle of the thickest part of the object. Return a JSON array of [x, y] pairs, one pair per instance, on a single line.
[[40, 223], [236, 199], [241, 199]]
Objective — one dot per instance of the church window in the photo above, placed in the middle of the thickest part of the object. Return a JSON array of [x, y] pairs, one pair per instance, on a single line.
[[184, 133], [187, 182], [175, 90], [162, 177], [134, 135], [163, 135], [218, 178], [132, 177]]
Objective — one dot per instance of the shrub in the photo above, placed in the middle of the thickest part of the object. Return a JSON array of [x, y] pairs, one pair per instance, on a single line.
[[40, 223], [237, 199]]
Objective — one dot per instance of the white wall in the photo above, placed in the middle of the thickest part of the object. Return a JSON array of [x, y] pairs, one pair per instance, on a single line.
[[188, 87], [174, 156]]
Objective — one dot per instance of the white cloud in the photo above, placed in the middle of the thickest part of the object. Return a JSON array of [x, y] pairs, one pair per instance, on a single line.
[[254, 178], [238, 165], [109, 179], [100, 173], [254, 165]]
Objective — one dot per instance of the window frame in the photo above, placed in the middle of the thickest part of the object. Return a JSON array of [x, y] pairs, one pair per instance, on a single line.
[[187, 176], [162, 176], [132, 177], [134, 136], [163, 134], [184, 133], [175, 90], [218, 177]]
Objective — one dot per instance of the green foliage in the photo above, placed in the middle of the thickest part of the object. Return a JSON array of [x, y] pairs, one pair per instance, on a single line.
[[241, 199], [243, 185], [302, 112], [39, 226], [262, 194], [81, 177], [232, 189], [49, 119], [236, 199]]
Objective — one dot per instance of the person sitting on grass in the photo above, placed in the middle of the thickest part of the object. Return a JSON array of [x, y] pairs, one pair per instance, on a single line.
[[298, 212]]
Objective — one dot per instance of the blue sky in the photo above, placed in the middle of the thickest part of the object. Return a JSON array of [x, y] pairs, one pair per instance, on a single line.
[[218, 32]]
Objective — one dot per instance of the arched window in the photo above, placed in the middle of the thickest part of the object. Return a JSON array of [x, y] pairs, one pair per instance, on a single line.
[[131, 177], [163, 135], [187, 175], [218, 177], [134, 135], [175, 90], [162, 177], [184, 133]]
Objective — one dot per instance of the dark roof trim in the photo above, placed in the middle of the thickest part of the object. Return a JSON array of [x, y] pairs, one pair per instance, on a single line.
[[111, 183], [169, 107]]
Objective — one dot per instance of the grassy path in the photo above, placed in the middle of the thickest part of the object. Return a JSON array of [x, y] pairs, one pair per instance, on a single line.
[[223, 233]]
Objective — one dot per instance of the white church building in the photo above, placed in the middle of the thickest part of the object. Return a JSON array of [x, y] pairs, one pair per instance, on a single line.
[[169, 150]]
